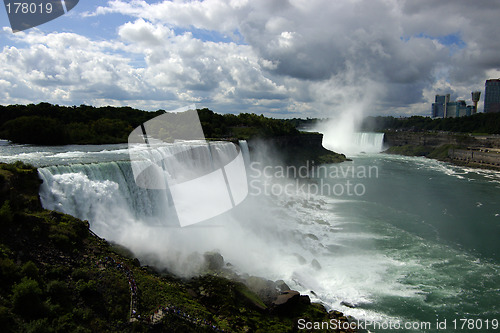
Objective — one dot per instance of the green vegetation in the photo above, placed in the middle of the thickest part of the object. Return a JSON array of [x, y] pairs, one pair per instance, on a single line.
[[486, 123], [56, 276], [306, 147], [439, 153], [243, 126], [410, 150], [48, 124]]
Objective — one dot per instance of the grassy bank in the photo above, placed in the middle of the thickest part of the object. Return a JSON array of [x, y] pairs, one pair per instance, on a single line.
[[439, 153]]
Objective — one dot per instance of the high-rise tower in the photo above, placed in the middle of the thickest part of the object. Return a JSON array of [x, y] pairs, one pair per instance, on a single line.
[[492, 96], [439, 108], [475, 98]]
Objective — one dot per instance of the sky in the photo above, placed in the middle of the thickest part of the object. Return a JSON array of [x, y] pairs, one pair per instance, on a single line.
[[280, 58]]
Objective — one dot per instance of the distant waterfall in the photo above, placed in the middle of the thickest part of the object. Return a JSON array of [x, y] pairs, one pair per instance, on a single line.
[[368, 142], [354, 143]]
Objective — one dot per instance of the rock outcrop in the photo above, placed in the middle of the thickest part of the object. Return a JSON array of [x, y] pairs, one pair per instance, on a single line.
[[463, 149]]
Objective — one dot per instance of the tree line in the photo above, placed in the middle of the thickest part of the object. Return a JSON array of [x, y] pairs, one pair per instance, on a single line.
[[480, 123], [48, 124]]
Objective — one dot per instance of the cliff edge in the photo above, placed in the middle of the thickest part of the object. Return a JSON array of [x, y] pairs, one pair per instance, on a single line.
[[304, 148]]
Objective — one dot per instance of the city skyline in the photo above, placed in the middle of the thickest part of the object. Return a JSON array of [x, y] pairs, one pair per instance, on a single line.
[[280, 58]]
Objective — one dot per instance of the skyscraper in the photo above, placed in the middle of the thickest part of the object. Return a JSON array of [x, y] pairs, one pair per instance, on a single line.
[[492, 96], [439, 107]]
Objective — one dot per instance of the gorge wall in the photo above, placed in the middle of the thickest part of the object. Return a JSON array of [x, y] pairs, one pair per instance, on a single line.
[[460, 148]]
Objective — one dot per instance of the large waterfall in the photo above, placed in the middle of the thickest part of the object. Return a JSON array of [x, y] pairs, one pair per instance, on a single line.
[[146, 220], [368, 142], [81, 189], [354, 143], [260, 236]]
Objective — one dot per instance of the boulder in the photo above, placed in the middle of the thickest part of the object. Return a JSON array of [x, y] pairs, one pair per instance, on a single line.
[[281, 286], [288, 297], [305, 299], [286, 301], [265, 289], [214, 261], [300, 258]]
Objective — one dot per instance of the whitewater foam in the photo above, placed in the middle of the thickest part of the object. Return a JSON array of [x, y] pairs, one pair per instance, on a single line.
[[354, 143], [376, 264]]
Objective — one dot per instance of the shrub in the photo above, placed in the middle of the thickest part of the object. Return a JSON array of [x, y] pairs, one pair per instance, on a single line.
[[26, 298]]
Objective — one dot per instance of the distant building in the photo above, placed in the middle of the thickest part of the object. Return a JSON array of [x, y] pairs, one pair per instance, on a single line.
[[458, 109], [492, 96], [475, 98], [439, 107], [444, 108]]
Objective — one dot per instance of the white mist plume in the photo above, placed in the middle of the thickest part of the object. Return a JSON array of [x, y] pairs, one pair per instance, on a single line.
[[340, 132]]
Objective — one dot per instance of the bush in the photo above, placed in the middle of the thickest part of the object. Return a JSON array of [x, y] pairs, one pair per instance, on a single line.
[[6, 216], [9, 273], [26, 298], [6, 320], [30, 270], [58, 292]]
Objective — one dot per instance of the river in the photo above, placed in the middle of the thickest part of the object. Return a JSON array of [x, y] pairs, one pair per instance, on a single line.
[[384, 238]]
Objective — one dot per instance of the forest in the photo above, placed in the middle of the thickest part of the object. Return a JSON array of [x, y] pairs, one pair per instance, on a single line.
[[480, 123], [47, 124]]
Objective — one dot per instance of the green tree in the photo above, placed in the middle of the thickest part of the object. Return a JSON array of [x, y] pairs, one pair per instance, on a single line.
[[36, 130], [9, 273], [30, 270], [27, 298]]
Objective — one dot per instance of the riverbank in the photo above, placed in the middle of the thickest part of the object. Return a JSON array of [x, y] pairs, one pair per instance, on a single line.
[[59, 276], [478, 151]]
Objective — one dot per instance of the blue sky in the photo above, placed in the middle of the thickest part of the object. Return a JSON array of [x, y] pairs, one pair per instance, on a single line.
[[289, 58]]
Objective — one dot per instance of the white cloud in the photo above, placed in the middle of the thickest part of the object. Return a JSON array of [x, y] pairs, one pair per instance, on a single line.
[[301, 57]]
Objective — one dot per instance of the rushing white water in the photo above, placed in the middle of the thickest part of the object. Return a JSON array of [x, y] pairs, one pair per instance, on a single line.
[[369, 142], [420, 243], [354, 143]]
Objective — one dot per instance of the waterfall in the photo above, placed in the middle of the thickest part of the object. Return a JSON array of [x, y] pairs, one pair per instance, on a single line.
[[369, 142], [102, 193], [354, 143], [99, 191], [147, 220]]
